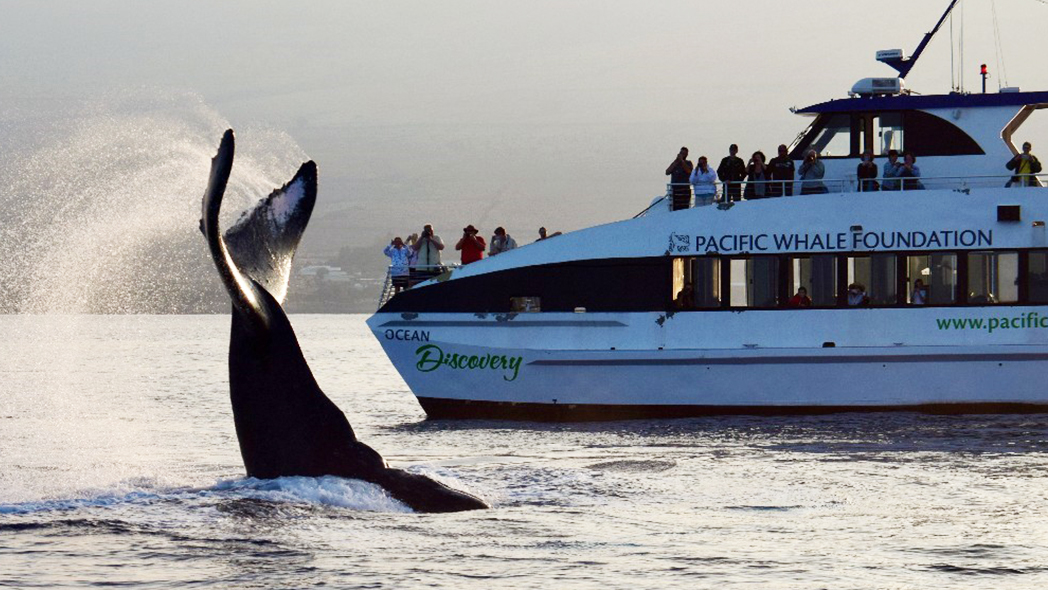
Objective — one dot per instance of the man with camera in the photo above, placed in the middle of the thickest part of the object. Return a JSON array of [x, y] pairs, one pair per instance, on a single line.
[[471, 245], [428, 246]]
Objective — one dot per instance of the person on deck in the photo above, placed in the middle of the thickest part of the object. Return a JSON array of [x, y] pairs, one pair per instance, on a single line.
[[867, 173], [428, 250], [732, 171], [704, 182], [1026, 165], [891, 170], [501, 242], [782, 171], [811, 173], [801, 299], [679, 171], [757, 176], [471, 245], [399, 266], [910, 173]]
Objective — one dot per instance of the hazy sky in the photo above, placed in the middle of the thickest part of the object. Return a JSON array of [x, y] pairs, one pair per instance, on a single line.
[[520, 114]]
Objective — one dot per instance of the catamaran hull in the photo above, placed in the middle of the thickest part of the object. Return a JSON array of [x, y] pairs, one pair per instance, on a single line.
[[549, 367]]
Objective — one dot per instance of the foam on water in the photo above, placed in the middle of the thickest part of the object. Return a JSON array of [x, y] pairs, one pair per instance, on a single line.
[[333, 491]]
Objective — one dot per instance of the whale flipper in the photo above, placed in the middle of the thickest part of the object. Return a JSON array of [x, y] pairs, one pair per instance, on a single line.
[[285, 424]]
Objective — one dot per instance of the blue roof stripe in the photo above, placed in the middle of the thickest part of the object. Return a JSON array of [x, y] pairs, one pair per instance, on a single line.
[[935, 101]]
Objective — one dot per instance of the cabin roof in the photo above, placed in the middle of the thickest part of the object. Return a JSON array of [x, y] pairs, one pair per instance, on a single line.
[[924, 102]]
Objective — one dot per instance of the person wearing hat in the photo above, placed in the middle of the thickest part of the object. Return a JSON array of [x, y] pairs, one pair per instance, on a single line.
[[501, 241], [471, 245]]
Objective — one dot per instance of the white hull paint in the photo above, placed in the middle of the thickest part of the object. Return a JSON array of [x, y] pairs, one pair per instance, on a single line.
[[695, 363]]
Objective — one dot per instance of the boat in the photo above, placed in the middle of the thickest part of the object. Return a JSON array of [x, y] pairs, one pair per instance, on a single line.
[[927, 294]]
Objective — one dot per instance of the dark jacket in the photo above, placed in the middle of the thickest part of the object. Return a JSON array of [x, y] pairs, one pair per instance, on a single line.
[[731, 169], [1020, 179]]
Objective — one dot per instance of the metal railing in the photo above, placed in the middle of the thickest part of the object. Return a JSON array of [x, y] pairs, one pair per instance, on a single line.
[[415, 275], [764, 189]]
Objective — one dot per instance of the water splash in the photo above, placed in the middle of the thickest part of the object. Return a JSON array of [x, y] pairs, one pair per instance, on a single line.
[[100, 202]]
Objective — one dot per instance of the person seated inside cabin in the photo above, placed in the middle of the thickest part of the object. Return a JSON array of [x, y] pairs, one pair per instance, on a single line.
[[867, 173], [857, 295], [543, 236], [399, 265], [685, 298], [501, 242], [704, 183], [800, 299], [910, 173], [1026, 165], [891, 170], [919, 296], [811, 173], [471, 245]]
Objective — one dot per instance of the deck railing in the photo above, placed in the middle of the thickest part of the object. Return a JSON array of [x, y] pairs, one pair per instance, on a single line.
[[745, 191], [415, 275]]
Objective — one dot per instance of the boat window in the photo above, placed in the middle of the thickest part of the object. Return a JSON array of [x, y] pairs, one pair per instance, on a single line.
[[887, 128], [525, 304], [755, 281], [993, 277], [876, 273], [1037, 277], [703, 276], [928, 135], [937, 272], [830, 135], [818, 275]]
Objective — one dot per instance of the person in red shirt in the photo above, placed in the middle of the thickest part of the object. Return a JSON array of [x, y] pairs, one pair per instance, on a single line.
[[800, 299], [471, 245]]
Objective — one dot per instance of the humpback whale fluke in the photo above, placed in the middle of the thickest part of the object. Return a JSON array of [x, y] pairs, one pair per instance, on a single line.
[[285, 424]]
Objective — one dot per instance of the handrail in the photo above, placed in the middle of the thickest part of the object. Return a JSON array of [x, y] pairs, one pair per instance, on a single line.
[[416, 274], [799, 187]]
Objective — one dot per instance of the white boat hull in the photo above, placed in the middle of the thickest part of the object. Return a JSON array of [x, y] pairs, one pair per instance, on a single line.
[[628, 365]]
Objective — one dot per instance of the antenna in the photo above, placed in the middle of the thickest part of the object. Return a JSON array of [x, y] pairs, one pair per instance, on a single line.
[[904, 65]]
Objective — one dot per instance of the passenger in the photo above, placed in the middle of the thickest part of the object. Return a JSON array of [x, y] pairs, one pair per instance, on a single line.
[[679, 171], [757, 177], [910, 173], [501, 242], [782, 171], [704, 181], [686, 298], [471, 245], [867, 173], [891, 170], [920, 293], [399, 266], [811, 173], [543, 236], [732, 171], [857, 295], [801, 299], [412, 258], [1025, 166], [427, 251]]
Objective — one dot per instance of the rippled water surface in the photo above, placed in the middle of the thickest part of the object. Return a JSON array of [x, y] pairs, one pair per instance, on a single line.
[[119, 466]]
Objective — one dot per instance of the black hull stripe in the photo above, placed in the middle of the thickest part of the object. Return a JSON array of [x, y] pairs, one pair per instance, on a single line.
[[502, 324], [440, 409], [799, 360]]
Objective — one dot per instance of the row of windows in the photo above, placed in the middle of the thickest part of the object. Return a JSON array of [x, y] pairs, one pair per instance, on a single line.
[[874, 280], [840, 135]]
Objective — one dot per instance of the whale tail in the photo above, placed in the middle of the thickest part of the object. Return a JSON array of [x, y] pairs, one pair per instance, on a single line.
[[285, 424]]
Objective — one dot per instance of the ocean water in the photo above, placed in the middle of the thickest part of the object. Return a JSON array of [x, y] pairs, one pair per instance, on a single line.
[[119, 467]]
